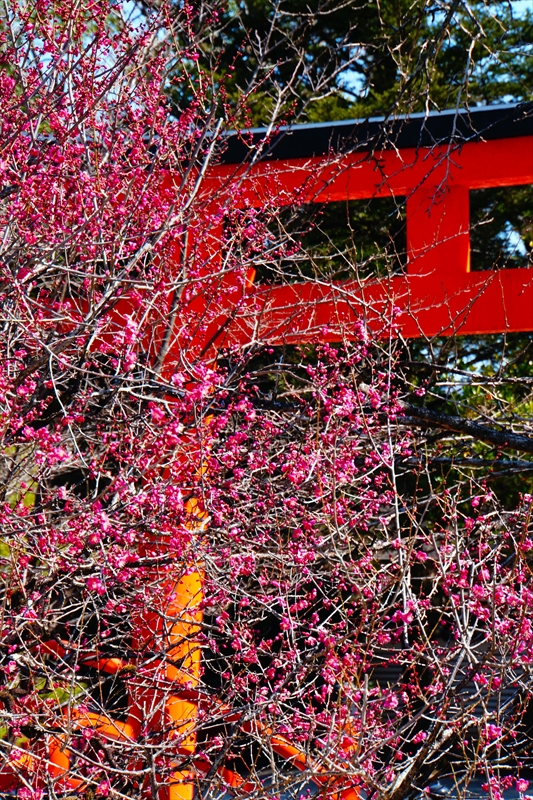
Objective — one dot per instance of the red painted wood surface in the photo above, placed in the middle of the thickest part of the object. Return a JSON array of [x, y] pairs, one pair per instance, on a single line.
[[438, 295]]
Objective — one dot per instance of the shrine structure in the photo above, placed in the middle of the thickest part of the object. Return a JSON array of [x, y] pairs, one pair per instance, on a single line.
[[434, 161]]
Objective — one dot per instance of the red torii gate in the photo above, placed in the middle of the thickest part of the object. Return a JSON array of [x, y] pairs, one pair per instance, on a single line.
[[435, 161]]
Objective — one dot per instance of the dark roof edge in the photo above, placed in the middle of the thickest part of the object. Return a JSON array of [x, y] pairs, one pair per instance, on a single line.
[[414, 130]]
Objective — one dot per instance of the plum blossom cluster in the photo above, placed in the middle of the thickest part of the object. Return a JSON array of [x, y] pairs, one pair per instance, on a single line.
[[391, 628]]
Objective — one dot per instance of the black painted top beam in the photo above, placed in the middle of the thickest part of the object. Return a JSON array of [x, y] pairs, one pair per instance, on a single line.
[[416, 130]]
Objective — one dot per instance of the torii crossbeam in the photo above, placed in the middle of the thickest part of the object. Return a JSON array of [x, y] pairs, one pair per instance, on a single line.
[[435, 161]]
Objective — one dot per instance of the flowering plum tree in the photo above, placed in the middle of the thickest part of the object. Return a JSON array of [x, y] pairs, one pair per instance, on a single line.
[[228, 565]]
